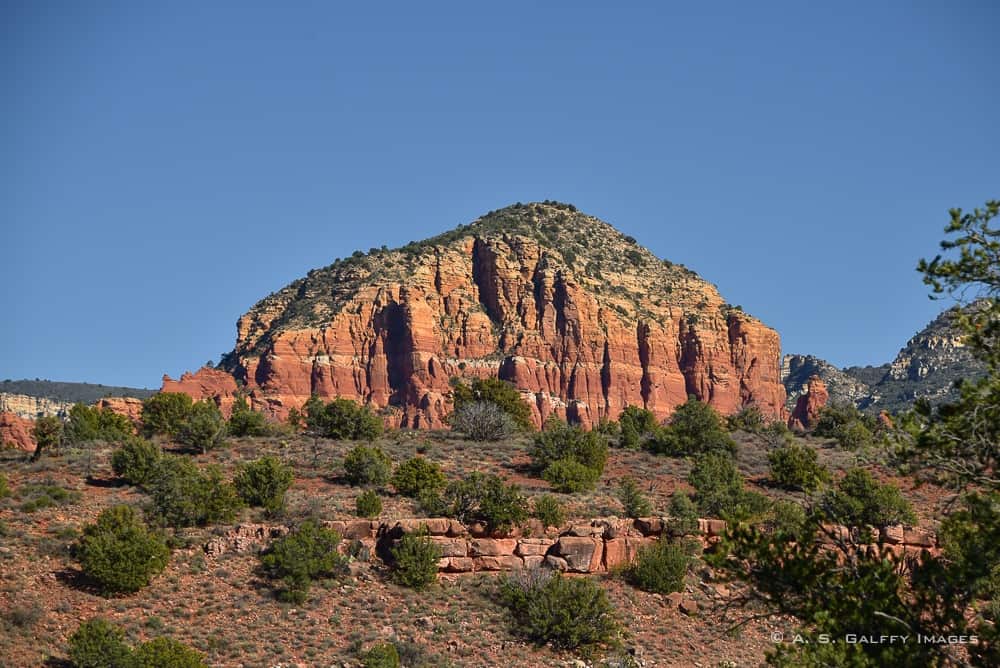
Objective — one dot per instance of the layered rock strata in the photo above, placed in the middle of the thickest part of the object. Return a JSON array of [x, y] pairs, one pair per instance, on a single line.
[[581, 319]]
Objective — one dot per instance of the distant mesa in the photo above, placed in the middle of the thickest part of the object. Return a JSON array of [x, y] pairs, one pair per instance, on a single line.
[[577, 315]]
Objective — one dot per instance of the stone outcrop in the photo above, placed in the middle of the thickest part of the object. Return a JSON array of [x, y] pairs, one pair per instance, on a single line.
[[206, 383], [130, 407], [808, 406], [30, 407], [16, 431], [598, 546], [581, 319]]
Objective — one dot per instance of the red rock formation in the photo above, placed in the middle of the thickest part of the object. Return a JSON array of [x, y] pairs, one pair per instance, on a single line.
[[576, 315], [130, 407], [16, 431], [206, 383], [809, 404]]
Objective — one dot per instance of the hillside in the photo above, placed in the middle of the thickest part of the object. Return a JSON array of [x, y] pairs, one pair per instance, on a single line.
[[580, 317], [926, 367]]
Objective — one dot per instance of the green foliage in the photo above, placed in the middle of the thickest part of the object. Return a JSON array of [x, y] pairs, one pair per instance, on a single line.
[[119, 553], [381, 655], [306, 553], [482, 421], [415, 561], [246, 422], [660, 568], [342, 419], [416, 475], [569, 457], [184, 495], [203, 429], [749, 419], [165, 413], [683, 516], [48, 434], [970, 539], [569, 613], [263, 483], [45, 495], [164, 652], [89, 423], [844, 422], [480, 497], [797, 466], [719, 489], [136, 460], [368, 504], [549, 511], [366, 465], [634, 502], [570, 476], [694, 428], [4, 488], [636, 424], [860, 500], [873, 598], [99, 644], [496, 391], [786, 518]]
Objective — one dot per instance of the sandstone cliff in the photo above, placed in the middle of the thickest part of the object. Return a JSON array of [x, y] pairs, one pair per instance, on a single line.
[[16, 432], [579, 317], [808, 405], [30, 407]]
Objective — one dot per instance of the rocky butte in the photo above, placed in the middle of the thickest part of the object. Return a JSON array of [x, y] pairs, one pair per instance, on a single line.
[[578, 316]]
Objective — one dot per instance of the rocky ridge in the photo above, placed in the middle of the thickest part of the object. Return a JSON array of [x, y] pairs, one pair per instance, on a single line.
[[578, 316], [926, 367]]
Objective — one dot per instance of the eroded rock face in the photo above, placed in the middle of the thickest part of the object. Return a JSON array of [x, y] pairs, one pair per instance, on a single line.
[[808, 406], [16, 431], [576, 315], [130, 407], [206, 383]]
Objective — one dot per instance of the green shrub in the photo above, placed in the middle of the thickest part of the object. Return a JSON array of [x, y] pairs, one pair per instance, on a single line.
[[549, 511], [479, 497], [786, 518], [263, 483], [165, 413], [496, 391], [416, 475], [634, 502], [35, 496], [203, 429], [854, 436], [119, 553], [366, 465], [719, 489], [482, 421], [797, 466], [342, 419], [4, 488], [136, 460], [306, 553], [48, 433], [748, 419], [860, 500], [246, 422], [89, 423], [568, 457], [636, 425], [570, 613], [660, 568], [381, 655], [184, 495], [683, 519], [415, 561], [694, 428], [99, 644], [368, 504], [570, 476], [166, 653]]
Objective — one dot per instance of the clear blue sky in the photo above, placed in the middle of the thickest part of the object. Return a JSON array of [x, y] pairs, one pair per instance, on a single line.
[[165, 165]]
